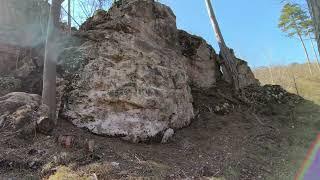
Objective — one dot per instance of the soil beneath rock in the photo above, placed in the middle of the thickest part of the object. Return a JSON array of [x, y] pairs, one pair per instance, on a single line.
[[227, 139]]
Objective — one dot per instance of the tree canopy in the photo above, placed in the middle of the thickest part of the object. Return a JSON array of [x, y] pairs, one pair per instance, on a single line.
[[294, 20]]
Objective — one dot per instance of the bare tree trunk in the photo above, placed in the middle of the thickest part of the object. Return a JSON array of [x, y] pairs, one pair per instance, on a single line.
[[270, 68], [314, 7], [56, 12], [315, 52], [69, 16], [48, 109], [271, 75], [295, 84], [306, 52], [230, 65]]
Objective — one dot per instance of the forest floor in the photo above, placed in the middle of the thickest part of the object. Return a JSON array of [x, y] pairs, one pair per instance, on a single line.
[[231, 144]]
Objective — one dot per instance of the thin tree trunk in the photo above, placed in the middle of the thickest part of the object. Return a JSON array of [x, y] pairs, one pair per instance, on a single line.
[[314, 7], [306, 52], [271, 75], [315, 52], [48, 117], [69, 16], [56, 12], [270, 69], [295, 84], [230, 65]]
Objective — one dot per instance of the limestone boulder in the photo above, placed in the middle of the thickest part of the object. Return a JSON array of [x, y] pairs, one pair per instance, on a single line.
[[131, 79], [132, 72]]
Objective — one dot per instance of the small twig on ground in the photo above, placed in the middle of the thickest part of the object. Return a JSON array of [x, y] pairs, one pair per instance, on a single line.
[[209, 108], [258, 119], [217, 172], [137, 158], [1, 122]]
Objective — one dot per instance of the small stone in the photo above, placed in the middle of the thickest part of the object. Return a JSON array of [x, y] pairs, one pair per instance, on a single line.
[[66, 141], [124, 172], [34, 165], [167, 135], [115, 164]]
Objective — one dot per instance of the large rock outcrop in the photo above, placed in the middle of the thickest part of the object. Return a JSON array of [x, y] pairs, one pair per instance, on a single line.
[[132, 74], [133, 81]]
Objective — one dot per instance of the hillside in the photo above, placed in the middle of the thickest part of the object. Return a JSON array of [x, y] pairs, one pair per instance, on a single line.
[[137, 98], [295, 78]]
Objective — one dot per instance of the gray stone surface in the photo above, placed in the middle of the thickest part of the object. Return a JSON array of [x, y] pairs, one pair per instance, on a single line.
[[133, 72], [12, 101], [9, 84], [132, 80]]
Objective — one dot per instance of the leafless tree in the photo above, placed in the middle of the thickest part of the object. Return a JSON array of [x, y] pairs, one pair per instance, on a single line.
[[69, 16], [229, 63], [48, 117]]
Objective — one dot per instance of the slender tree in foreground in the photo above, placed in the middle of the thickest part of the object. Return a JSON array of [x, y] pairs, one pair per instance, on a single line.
[[229, 64], [309, 25], [314, 7], [69, 16], [293, 21], [315, 52], [48, 117]]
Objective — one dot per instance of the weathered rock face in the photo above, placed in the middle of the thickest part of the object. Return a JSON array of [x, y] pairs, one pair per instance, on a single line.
[[18, 112], [20, 69], [9, 84], [8, 58], [246, 76], [133, 81], [12, 101], [202, 68], [22, 35], [132, 74]]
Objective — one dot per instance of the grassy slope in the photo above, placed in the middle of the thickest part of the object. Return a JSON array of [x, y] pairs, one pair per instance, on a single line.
[[308, 86], [307, 114]]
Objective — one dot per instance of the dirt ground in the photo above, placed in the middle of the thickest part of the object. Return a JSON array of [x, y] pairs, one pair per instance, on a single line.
[[228, 139]]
